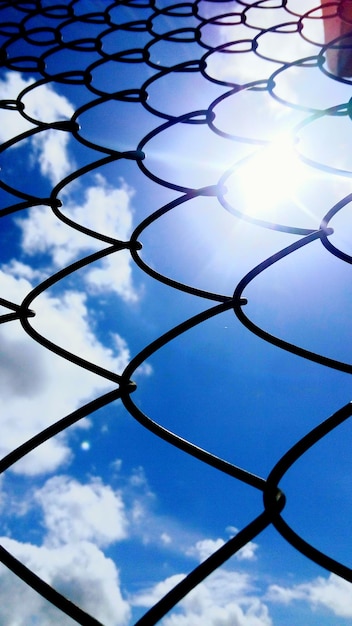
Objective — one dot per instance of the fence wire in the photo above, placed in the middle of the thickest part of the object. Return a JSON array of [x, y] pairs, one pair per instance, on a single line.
[[68, 44]]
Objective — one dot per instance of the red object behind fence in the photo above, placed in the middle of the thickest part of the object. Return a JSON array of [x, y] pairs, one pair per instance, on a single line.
[[338, 24]]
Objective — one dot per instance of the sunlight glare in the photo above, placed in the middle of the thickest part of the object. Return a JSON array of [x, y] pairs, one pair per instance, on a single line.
[[269, 178]]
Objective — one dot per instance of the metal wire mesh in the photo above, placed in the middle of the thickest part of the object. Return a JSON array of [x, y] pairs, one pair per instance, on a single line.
[[69, 44]]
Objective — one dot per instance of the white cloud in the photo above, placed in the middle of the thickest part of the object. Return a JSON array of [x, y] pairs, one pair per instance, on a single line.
[[205, 547], [39, 387], [114, 274], [78, 519], [332, 593], [74, 517], [50, 150], [116, 465], [225, 599], [165, 538], [247, 553], [103, 209], [152, 595], [79, 571], [45, 105], [74, 512], [21, 270]]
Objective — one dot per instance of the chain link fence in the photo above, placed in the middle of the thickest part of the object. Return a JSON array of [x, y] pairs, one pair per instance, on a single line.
[[124, 54]]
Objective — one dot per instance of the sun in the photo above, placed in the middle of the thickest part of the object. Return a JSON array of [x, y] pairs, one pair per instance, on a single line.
[[262, 184]]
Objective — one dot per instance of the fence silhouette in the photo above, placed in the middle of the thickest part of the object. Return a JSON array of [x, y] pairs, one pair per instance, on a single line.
[[51, 43]]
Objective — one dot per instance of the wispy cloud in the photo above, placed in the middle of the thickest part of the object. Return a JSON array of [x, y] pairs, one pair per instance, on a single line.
[[104, 209], [33, 377], [77, 520], [75, 512], [331, 593], [49, 148], [226, 598], [205, 547], [80, 571]]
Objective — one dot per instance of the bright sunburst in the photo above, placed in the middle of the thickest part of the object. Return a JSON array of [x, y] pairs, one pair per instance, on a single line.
[[267, 180]]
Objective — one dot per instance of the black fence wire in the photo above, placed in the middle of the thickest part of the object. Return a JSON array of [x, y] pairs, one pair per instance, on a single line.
[[68, 44]]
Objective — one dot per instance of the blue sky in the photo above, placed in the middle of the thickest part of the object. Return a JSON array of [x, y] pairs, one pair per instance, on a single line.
[[107, 513]]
